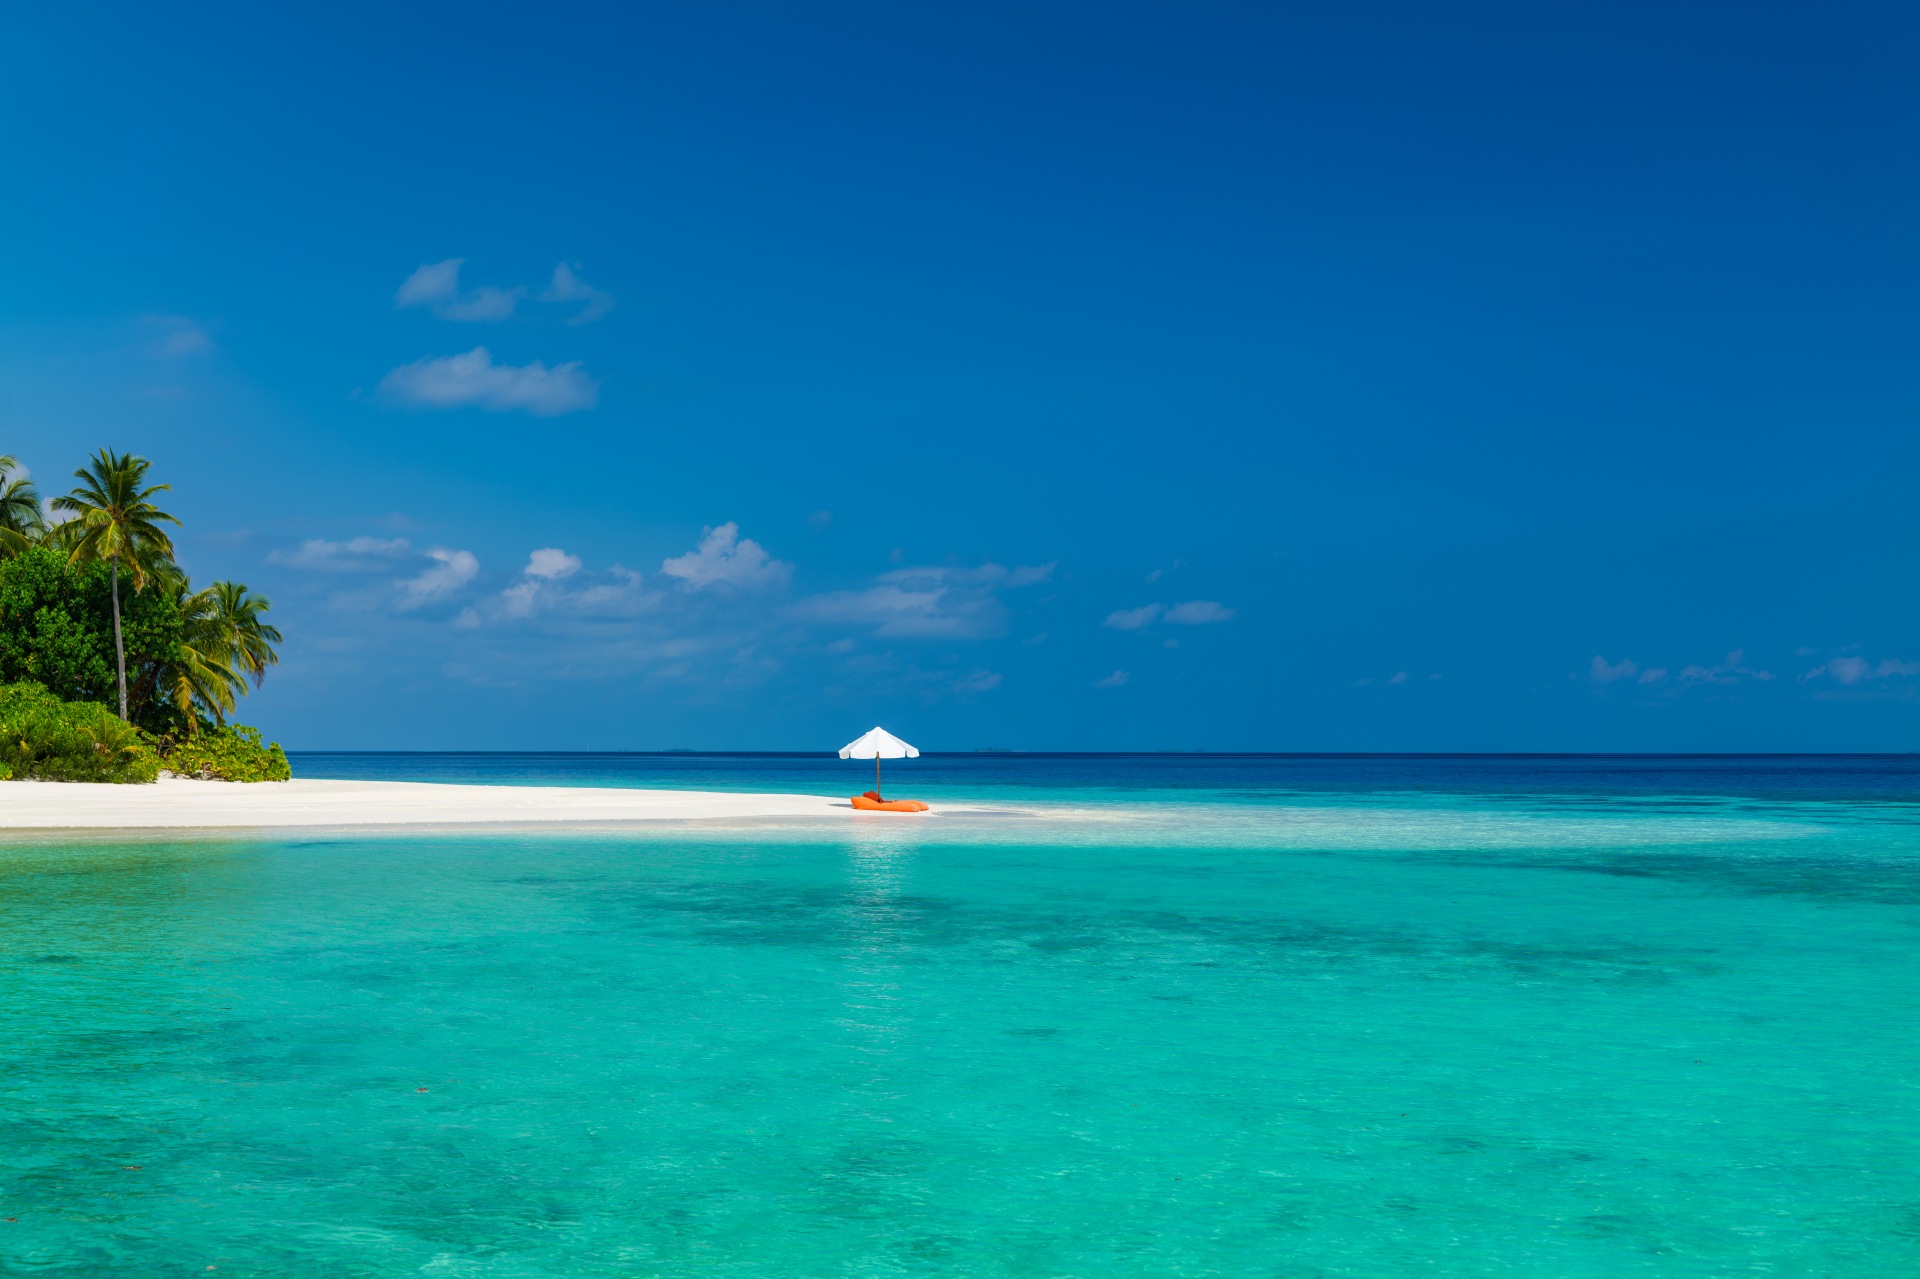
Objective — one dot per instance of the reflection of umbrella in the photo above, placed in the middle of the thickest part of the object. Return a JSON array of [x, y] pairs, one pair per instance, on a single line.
[[876, 746]]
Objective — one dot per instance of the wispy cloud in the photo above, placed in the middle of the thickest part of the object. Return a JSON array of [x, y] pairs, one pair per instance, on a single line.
[[437, 285], [714, 618], [474, 380], [1133, 619], [430, 283], [178, 336], [1199, 613], [1729, 670], [550, 563], [451, 571], [547, 565], [1191, 613], [1114, 680], [1601, 672], [1850, 669], [567, 286], [725, 558], [360, 554], [934, 602]]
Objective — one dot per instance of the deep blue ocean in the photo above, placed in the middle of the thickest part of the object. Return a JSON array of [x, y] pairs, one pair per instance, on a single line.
[[1118, 1016], [994, 775]]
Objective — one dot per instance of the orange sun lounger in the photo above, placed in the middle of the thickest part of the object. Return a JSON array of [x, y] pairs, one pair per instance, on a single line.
[[872, 803]]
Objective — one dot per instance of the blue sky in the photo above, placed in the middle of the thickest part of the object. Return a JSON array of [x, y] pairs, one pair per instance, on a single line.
[[1362, 377]]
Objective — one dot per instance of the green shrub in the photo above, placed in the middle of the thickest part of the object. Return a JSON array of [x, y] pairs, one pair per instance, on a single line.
[[230, 752], [56, 630], [45, 738]]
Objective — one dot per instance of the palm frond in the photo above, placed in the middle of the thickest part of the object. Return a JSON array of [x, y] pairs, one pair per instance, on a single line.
[[19, 501], [119, 522]]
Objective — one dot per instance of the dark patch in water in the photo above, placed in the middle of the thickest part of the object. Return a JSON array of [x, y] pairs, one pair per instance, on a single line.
[[916, 929]]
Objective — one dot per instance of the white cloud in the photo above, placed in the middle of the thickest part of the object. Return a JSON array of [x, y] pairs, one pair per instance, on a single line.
[[473, 379], [567, 286], [892, 609], [1132, 619], [1114, 680], [453, 570], [1398, 677], [482, 305], [1602, 673], [1031, 575], [178, 336], [1850, 669], [1199, 613], [724, 557], [550, 562], [1730, 670], [437, 285], [545, 567], [360, 554], [945, 601], [1653, 675], [429, 284], [1191, 613]]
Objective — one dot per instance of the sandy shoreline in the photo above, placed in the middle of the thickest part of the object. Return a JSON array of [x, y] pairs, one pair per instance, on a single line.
[[316, 804]]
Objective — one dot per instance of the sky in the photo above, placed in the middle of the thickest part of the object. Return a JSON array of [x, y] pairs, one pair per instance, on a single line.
[[1366, 377]]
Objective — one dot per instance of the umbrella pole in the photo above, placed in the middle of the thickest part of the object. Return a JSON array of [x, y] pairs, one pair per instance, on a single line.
[[876, 774]]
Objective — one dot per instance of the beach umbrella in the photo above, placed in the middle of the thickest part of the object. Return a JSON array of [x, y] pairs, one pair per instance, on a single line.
[[876, 746]]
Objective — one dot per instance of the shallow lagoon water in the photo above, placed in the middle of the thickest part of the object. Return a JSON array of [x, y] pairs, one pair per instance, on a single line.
[[1256, 1029]]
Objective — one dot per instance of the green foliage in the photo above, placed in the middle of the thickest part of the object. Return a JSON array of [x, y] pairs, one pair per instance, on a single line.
[[96, 610], [20, 518], [56, 629], [231, 752], [43, 737]]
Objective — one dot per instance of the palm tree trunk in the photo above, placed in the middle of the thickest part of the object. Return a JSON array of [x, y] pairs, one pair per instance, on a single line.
[[119, 647]]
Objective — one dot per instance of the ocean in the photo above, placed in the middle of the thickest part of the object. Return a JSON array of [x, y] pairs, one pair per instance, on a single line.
[[1174, 1016]]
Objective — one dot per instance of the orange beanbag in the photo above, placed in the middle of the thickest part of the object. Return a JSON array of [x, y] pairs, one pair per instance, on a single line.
[[868, 803]]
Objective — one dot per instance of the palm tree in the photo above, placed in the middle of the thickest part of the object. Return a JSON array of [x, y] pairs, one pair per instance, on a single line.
[[21, 520], [251, 640], [203, 680], [223, 643], [118, 525]]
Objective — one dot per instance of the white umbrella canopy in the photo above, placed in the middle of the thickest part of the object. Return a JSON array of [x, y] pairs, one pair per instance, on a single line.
[[876, 746]]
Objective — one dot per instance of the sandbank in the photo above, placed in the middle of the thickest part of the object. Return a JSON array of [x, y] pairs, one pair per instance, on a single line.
[[307, 803]]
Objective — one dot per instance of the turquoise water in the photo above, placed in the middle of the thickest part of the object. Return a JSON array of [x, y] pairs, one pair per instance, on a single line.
[[1370, 1029]]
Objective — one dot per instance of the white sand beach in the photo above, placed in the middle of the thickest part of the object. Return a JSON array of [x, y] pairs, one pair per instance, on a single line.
[[311, 804]]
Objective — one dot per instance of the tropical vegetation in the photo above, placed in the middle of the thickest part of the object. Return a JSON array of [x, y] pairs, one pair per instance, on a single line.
[[44, 738], [96, 611]]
